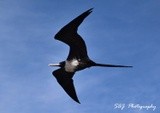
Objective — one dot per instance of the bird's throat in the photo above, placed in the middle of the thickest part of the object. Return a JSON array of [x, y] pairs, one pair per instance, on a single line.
[[71, 66]]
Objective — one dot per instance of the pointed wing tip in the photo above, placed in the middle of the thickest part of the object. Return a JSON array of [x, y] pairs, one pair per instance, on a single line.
[[66, 81], [90, 10], [72, 26], [76, 99], [78, 102]]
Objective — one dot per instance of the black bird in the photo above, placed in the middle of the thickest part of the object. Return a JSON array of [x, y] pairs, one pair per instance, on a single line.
[[77, 59]]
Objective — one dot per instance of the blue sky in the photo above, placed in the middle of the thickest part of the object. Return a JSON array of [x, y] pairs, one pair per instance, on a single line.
[[117, 31]]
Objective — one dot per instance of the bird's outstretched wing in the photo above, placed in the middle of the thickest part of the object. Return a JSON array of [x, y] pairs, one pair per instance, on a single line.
[[65, 80], [68, 34]]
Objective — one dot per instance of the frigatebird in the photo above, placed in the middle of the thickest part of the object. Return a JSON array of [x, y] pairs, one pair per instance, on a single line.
[[77, 59]]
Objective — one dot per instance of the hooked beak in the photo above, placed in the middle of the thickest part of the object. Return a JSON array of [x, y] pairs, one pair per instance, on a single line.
[[52, 65]]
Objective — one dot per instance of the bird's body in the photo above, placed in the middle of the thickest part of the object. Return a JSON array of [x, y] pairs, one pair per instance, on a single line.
[[75, 65], [77, 59], [71, 66]]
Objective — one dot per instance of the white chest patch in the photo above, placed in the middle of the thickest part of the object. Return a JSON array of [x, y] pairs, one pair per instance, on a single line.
[[70, 66]]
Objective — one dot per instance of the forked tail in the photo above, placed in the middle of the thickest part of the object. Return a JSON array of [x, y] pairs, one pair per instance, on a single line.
[[111, 65]]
